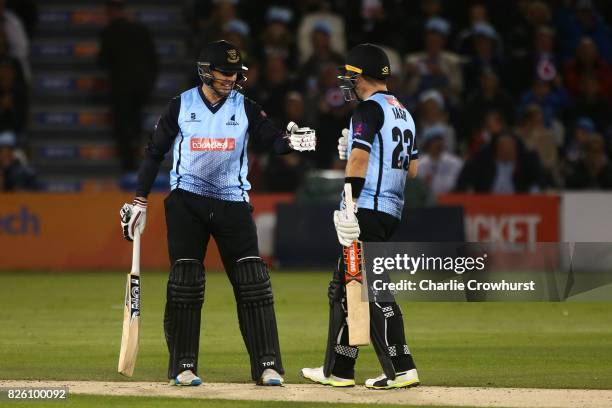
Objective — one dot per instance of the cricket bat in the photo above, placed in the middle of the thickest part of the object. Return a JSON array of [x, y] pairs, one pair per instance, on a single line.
[[357, 303], [131, 314]]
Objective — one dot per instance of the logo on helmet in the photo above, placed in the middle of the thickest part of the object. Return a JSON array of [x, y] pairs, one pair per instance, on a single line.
[[233, 56], [385, 70]]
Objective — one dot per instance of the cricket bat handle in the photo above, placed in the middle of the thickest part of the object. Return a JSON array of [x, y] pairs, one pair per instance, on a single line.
[[348, 198], [136, 252]]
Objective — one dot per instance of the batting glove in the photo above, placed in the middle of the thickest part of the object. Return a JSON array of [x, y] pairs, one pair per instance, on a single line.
[[347, 226], [343, 145], [301, 139], [133, 216]]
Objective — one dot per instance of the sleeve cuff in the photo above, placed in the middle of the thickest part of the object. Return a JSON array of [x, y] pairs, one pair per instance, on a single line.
[[363, 145]]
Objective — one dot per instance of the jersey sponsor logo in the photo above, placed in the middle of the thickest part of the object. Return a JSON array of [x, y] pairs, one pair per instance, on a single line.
[[232, 121], [392, 100], [207, 144]]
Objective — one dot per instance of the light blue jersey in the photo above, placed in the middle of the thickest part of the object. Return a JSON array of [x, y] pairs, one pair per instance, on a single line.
[[391, 150], [210, 151]]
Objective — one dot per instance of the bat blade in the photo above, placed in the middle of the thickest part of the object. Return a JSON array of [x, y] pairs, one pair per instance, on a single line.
[[358, 318], [131, 315], [131, 326]]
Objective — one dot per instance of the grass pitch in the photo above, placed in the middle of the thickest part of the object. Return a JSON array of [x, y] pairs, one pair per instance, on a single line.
[[68, 327], [155, 402]]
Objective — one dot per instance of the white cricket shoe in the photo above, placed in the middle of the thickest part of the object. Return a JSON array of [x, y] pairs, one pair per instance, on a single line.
[[406, 379], [317, 375], [186, 378], [270, 377]]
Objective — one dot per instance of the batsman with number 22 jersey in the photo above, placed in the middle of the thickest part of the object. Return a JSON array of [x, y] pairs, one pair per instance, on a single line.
[[208, 129], [381, 152]]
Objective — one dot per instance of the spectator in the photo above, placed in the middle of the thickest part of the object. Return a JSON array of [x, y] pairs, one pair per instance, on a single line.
[[518, 29], [253, 86], [576, 146], [13, 99], [322, 15], [238, 32], [543, 62], [277, 39], [594, 170], [488, 97], [550, 96], [592, 103], [294, 108], [438, 168], [27, 11], [431, 112], [275, 86], [322, 54], [209, 29], [284, 173], [380, 23], [485, 56], [333, 115], [6, 55], [537, 138], [435, 67], [18, 43], [15, 175], [128, 53], [588, 63], [503, 166], [585, 21], [534, 15], [415, 24], [478, 14], [491, 127]]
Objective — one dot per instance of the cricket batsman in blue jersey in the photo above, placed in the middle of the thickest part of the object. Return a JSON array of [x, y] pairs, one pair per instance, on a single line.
[[381, 152], [208, 129]]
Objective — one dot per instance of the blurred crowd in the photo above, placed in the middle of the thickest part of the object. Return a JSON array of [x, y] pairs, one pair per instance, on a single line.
[[508, 96], [17, 19]]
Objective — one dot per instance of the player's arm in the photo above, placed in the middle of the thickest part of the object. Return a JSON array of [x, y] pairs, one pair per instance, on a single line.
[[160, 142], [266, 134], [413, 167], [134, 215], [367, 121]]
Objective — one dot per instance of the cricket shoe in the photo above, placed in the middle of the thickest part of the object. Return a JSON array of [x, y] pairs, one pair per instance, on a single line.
[[406, 379], [317, 375], [186, 378], [270, 377]]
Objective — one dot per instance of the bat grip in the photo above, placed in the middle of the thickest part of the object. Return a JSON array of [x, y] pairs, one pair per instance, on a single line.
[[136, 252], [348, 198]]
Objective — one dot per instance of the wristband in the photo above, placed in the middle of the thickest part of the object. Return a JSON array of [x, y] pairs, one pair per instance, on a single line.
[[357, 184]]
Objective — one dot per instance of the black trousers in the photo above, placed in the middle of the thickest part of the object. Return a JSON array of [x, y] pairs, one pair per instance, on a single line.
[[375, 226], [192, 219]]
